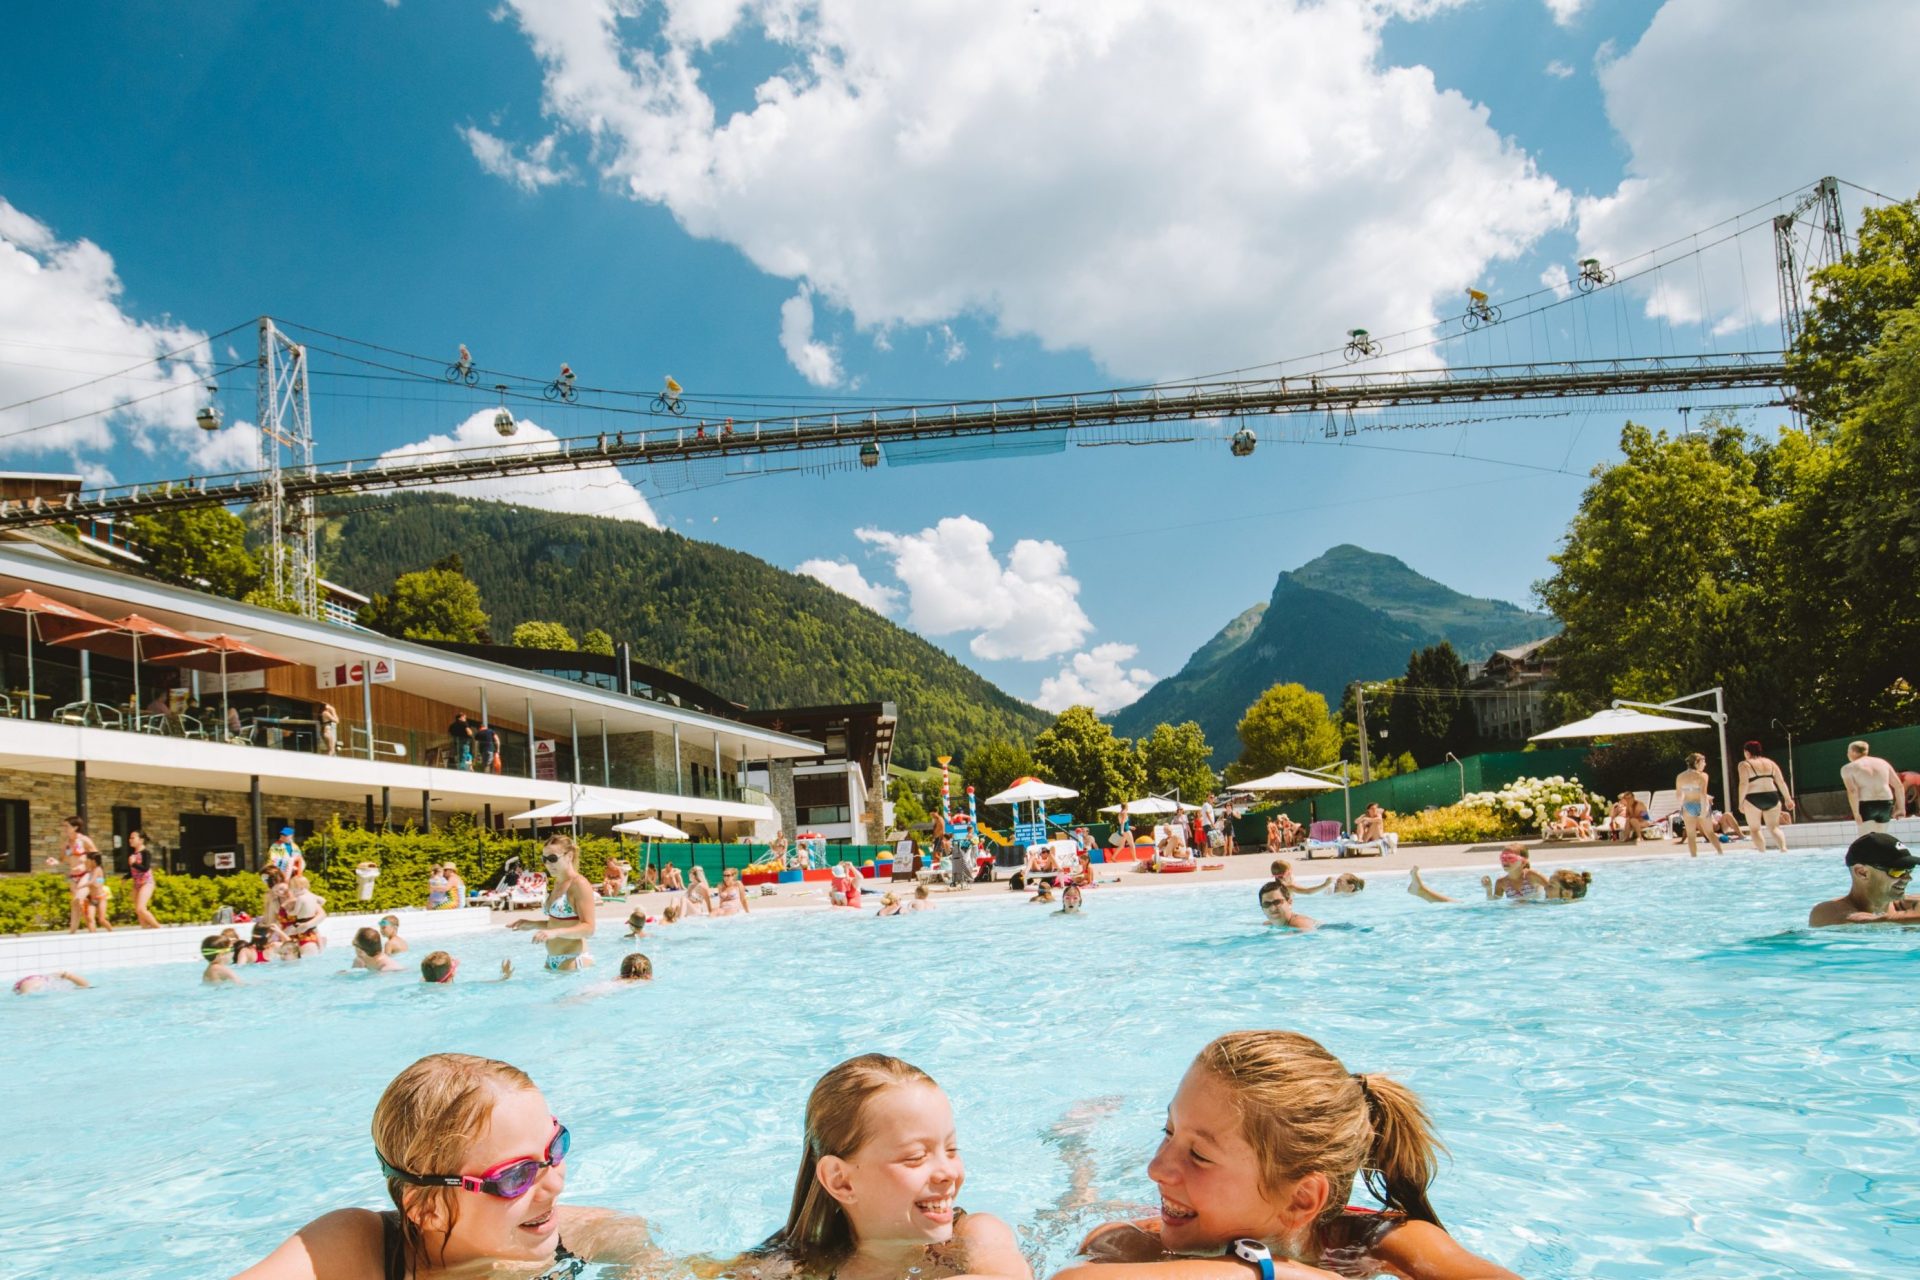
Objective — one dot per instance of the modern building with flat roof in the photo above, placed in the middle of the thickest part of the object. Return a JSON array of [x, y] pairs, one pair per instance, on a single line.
[[209, 778]]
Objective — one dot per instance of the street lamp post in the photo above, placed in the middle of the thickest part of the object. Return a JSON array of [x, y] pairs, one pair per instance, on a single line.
[[1792, 785], [1463, 773]]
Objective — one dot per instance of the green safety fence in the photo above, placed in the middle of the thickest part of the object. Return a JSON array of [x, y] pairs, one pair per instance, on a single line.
[[1815, 766], [1433, 787]]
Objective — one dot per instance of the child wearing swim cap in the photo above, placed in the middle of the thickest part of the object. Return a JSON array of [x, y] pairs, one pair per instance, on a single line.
[[1265, 1138], [880, 1175]]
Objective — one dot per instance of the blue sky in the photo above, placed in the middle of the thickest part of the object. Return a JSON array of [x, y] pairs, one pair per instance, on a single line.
[[971, 200]]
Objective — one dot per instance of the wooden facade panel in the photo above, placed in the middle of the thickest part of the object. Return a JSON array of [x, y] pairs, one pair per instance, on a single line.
[[392, 708]]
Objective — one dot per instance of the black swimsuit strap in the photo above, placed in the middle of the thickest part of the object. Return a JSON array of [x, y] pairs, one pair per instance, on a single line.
[[393, 1247]]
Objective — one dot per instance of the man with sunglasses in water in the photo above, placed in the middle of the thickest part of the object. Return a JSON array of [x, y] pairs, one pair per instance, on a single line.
[[1882, 870]]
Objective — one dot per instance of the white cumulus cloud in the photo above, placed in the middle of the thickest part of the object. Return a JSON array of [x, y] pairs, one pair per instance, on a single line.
[[1026, 606], [587, 491], [1559, 70], [1098, 678], [1565, 11], [845, 577], [1140, 179], [1698, 103], [78, 373], [529, 170], [817, 361]]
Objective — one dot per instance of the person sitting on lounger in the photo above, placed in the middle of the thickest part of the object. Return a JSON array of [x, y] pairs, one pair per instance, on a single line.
[[1371, 828], [1573, 822]]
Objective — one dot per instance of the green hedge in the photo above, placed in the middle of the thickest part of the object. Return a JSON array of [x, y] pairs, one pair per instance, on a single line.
[[29, 904]]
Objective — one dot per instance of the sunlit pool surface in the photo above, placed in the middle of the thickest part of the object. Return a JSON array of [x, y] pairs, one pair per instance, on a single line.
[[1674, 1078]]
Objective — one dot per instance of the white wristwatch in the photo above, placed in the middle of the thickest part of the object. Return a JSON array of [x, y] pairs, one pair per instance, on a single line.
[[1255, 1255]]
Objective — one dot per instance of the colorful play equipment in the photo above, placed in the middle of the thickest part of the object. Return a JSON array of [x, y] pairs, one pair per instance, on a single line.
[[1037, 824]]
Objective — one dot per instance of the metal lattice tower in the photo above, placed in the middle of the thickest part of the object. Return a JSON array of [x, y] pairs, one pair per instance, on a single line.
[[1826, 246], [286, 442]]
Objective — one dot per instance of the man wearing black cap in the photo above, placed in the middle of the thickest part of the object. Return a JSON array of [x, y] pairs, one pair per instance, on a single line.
[[1882, 871]]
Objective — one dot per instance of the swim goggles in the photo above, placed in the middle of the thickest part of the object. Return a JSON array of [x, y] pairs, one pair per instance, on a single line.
[[508, 1180]]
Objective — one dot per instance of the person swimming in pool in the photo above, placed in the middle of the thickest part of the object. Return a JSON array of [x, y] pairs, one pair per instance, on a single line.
[[1881, 869], [475, 1164], [1518, 881], [877, 1193], [570, 908], [1345, 882], [1276, 901], [370, 952], [1266, 1139], [1566, 885], [40, 983], [1696, 817]]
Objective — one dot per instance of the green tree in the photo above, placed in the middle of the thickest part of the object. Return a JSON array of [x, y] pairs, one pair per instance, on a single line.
[[1286, 726], [196, 545], [1832, 363], [1380, 696], [1079, 750], [991, 767], [543, 635], [597, 641], [908, 810], [438, 603], [1428, 716], [1176, 757]]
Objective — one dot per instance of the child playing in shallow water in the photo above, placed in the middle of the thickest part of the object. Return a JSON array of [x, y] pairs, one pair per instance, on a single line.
[[1264, 1140], [878, 1181]]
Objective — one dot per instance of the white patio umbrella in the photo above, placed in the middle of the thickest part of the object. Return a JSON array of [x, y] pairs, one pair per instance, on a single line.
[[586, 802], [652, 828], [1151, 805], [1616, 721], [1285, 780], [1025, 789]]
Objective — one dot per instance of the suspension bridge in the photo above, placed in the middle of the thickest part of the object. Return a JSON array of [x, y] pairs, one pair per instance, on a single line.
[[1408, 379]]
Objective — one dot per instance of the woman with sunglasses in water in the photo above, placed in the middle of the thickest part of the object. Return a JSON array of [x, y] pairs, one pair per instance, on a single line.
[[475, 1163], [569, 909]]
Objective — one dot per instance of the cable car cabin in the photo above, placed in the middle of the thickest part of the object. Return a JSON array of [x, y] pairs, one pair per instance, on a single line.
[[503, 423], [869, 454], [1243, 442], [208, 418]]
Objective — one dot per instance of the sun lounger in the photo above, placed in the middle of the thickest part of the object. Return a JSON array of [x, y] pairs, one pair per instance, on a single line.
[[1325, 836]]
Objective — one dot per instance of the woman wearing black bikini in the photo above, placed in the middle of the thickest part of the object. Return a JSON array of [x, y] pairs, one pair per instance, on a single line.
[[1763, 796]]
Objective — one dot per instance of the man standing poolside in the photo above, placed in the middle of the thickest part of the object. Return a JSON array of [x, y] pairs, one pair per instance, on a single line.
[[1882, 870], [1874, 790]]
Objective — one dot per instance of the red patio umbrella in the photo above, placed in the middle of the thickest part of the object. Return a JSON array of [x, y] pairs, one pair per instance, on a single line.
[[230, 653], [54, 619], [130, 637]]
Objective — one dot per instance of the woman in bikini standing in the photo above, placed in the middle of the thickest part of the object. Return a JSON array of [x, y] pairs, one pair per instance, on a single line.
[[1763, 795], [569, 908], [1695, 820]]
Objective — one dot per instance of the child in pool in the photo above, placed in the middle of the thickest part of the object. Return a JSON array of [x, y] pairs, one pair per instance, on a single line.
[[370, 952], [879, 1177], [1264, 1140], [1069, 901], [217, 951], [475, 1164]]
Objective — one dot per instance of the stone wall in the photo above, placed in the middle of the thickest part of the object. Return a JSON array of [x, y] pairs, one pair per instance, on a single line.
[[780, 791], [50, 797]]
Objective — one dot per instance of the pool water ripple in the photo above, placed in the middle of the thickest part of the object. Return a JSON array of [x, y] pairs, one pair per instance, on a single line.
[[1673, 1078]]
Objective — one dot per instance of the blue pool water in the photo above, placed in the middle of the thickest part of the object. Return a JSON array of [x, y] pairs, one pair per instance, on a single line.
[[1674, 1078]]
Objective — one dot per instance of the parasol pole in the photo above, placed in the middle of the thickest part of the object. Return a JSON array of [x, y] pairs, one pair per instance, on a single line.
[[224, 721], [30, 624]]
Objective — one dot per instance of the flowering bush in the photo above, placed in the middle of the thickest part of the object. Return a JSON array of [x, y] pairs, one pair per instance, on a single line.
[[1454, 824], [1529, 804]]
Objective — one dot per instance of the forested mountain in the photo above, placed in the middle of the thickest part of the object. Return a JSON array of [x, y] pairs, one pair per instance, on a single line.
[[1347, 615], [741, 627]]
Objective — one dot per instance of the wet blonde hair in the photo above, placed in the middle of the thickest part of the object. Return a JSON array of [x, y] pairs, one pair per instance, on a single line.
[[426, 1122], [1303, 1112], [818, 1233]]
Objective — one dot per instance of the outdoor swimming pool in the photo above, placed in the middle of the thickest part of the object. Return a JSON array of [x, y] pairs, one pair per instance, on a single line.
[[1672, 1079]]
